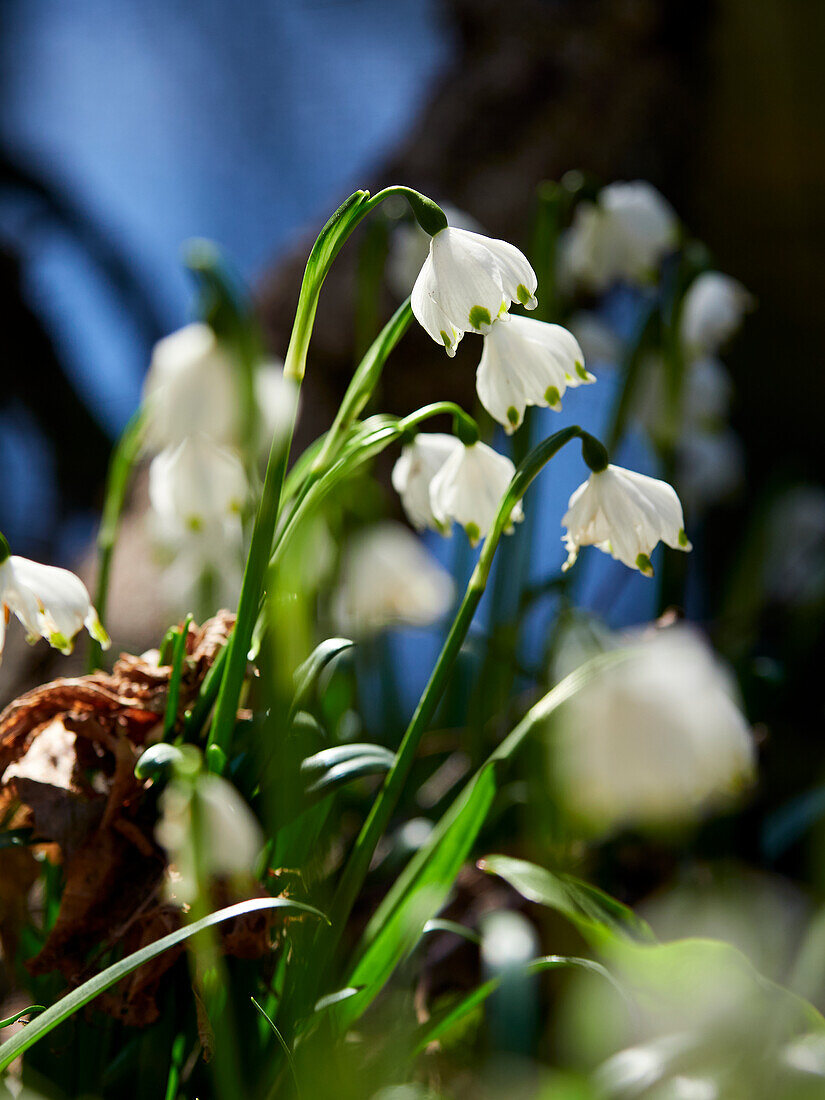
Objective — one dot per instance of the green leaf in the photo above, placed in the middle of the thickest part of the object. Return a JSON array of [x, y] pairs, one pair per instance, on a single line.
[[598, 916], [330, 768], [306, 675], [440, 925], [443, 1021], [424, 885], [81, 996], [32, 1010]]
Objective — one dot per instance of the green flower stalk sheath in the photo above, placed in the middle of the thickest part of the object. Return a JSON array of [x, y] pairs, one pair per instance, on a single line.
[[595, 455], [326, 248]]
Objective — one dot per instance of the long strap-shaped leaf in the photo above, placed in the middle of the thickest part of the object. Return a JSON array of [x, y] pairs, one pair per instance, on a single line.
[[424, 885], [81, 996]]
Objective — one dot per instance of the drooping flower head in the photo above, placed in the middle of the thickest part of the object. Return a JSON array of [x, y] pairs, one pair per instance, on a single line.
[[197, 483], [626, 515], [389, 578], [190, 389], [527, 362], [414, 471], [468, 490], [712, 310], [657, 737], [467, 281], [50, 602], [623, 235]]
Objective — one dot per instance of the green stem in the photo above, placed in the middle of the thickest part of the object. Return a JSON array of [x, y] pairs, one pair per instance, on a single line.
[[119, 475], [382, 808], [326, 248]]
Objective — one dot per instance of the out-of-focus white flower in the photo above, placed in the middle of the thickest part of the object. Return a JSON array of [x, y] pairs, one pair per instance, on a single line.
[[527, 362], [414, 471], [712, 310], [190, 389], [704, 399], [655, 738], [197, 483], [277, 398], [389, 578], [229, 838], [467, 281], [793, 564], [709, 467], [626, 515], [199, 563], [623, 235], [51, 603], [410, 245], [600, 343], [469, 487]]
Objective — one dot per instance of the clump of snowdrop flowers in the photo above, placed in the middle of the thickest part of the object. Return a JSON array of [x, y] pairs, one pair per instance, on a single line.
[[656, 737], [467, 282], [625, 234], [387, 579], [468, 490], [50, 602], [527, 362], [712, 310], [626, 515]]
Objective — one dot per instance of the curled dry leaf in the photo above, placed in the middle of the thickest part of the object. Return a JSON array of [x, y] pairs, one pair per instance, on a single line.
[[67, 757]]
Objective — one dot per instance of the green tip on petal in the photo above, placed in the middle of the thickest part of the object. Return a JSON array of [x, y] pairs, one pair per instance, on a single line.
[[61, 642], [523, 294], [581, 372], [194, 523], [553, 398], [644, 565], [480, 316], [473, 533], [512, 416], [684, 541], [5, 549], [98, 632]]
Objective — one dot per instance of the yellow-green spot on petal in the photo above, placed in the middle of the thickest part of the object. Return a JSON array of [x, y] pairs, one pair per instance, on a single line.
[[644, 565], [480, 316], [523, 294], [473, 532], [194, 523], [552, 397], [512, 416], [581, 372], [445, 339], [61, 642], [98, 632], [684, 541]]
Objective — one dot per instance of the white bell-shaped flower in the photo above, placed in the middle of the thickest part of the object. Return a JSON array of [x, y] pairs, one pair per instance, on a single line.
[[388, 578], [625, 234], [469, 487], [51, 603], [199, 563], [277, 398], [527, 362], [626, 515], [655, 738], [414, 471], [467, 281], [712, 310], [197, 483], [190, 389], [410, 245]]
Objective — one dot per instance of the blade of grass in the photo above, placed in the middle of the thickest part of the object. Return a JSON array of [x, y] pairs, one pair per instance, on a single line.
[[81, 996]]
